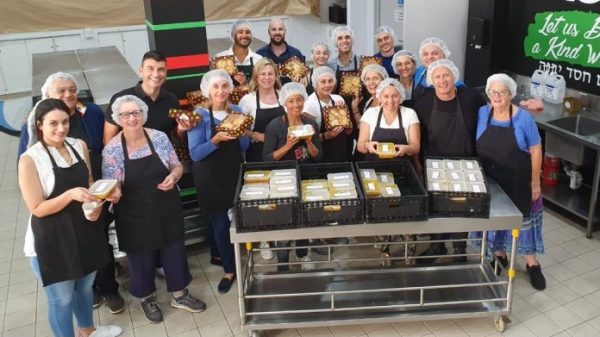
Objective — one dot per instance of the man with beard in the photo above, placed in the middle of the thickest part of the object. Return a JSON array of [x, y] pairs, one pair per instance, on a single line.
[[385, 39], [278, 49], [245, 58]]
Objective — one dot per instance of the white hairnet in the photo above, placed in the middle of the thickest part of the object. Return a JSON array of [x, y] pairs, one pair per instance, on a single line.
[[118, 103], [436, 41], [376, 68], [319, 44], [388, 30], [56, 76], [390, 82], [212, 76], [399, 54], [290, 89], [237, 24], [321, 71], [442, 63], [510, 84], [341, 30]]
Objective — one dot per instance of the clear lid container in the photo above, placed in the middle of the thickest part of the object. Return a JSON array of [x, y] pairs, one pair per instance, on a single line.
[[386, 150], [283, 173], [476, 187], [437, 164], [343, 193], [472, 176], [451, 164], [434, 174], [257, 176], [368, 174], [283, 191], [341, 184], [457, 186], [372, 187], [282, 180], [437, 186], [313, 184], [455, 175], [251, 194], [340, 176], [469, 164], [315, 195], [102, 188], [385, 177], [390, 190]]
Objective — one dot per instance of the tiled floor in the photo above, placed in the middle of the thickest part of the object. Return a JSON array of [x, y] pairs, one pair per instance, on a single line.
[[570, 306]]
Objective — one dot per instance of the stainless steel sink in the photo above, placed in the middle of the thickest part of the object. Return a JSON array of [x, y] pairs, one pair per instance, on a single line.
[[580, 125]]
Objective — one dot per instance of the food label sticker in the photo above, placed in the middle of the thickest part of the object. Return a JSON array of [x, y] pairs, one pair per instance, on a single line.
[[457, 187], [286, 188], [435, 164], [436, 186], [470, 165], [476, 188], [282, 173], [389, 190], [254, 192], [450, 165], [472, 177], [384, 179], [255, 175], [454, 176], [435, 175], [384, 148], [367, 174], [341, 184], [341, 177], [371, 186], [314, 187], [283, 181]]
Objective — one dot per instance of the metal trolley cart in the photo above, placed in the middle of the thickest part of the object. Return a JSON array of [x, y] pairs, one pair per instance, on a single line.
[[342, 291]]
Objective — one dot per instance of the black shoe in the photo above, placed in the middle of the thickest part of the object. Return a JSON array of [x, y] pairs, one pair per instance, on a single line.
[[538, 281], [225, 284], [97, 300], [216, 261], [503, 261], [434, 249], [152, 310], [115, 303]]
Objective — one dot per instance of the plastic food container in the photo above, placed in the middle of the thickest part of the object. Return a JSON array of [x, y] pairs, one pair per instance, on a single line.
[[467, 164], [255, 187], [301, 131], [450, 164], [253, 177], [372, 187], [102, 188], [455, 175], [441, 185], [385, 177], [386, 150], [313, 184], [341, 184], [476, 187], [315, 195], [368, 174], [457, 186], [282, 180], [283, 191], [433, 174], [343, 193], [390, 190], [283, 173], [339, 176], [250, 194], [437, 164], [473, 176]]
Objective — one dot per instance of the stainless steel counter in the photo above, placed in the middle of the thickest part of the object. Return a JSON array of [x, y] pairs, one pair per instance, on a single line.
[[553, 112]]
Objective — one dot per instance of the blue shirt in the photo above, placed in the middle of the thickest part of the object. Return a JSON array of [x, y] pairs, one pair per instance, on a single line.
[[387, 64], [289, 52], [199, 137], [526, 132]]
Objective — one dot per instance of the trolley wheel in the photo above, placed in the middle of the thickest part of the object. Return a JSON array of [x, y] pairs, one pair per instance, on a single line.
[[500, 323]]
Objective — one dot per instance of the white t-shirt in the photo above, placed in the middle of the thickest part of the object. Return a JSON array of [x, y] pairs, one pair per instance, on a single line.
[[251, 55], [311, 106], [46, 175], [248, 105], [409, 117]]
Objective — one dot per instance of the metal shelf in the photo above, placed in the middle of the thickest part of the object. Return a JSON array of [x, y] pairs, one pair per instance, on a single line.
[[576, 202]]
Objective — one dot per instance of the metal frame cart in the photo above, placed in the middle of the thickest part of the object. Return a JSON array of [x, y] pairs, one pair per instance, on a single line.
[[342, 291]]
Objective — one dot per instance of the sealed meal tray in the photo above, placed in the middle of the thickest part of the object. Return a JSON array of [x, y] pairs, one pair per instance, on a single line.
[[366, 60], [343, 193], [284, 173], [282, 180], [469, 164], [476, 187], [102, 188], [315, 195], [455, 175], [293, 68], [451, 164], [385, 177], [473, 176], [440, 185], [301, 131], [372, 187], [437, 164], [457, 186], [339, 176], [256, 187], [226, 63], [251, 193], [336, 184], [367, 174], [390, 190], [257, 176], [185, 115], [386, 150], [235, 124], [314, 184], [350, 84], [433, 174], [283, 191], [334, 116]]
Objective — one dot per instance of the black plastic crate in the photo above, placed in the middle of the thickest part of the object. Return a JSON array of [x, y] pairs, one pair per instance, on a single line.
[[445, 204], [331, 212], [266, 214], [413, 202]]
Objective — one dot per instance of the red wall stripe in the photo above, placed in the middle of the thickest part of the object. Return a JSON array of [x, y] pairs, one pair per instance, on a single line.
[[187, 61]]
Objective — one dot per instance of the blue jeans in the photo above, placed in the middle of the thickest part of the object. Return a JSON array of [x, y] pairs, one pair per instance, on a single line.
[[219, 223], [67, 298]]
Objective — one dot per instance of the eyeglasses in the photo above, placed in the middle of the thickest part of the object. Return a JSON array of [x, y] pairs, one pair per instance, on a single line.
[[127, 115], [61, 91], [492, 93]]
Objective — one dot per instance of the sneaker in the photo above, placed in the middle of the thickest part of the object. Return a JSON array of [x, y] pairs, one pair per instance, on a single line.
[[538, 281], [106, 331], [266, 254], [307, 263], [97, 300], [151, 310], [188, 302], [115, 303]]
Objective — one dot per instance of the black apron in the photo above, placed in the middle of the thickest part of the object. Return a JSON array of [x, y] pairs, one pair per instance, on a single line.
[[505, 162], [309, 86], [418, 89], [335, 150], [338, 75], [247, 70], [216, 176], [263, 118], [146, 218], [447, 133], [68, 246], [381, 135]]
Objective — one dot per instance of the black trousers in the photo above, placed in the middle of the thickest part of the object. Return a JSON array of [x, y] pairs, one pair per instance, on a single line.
[[105, 282]]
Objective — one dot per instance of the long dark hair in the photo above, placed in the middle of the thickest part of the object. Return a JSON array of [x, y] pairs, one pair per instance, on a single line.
[[43, 108]]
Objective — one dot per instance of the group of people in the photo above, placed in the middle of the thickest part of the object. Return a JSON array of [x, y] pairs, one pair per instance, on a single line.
[[423, 109]]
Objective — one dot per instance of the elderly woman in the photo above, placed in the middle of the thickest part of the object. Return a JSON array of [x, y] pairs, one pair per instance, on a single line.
[[216, 164], [64, 246], [86, 122], [262, 104], [510, 150], [320, 56], [385, 38], [281, 146], [149, 216], [337, 145], [405, 65], [448, 118]]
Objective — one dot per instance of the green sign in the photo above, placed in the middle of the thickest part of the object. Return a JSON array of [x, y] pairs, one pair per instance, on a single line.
[[567, 36]]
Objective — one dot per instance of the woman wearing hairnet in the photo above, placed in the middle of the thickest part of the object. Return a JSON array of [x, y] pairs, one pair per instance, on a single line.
[[510, 150], [448, 118], [336, 142], [149, 216], [281, 146], [320, 56], [216, 164], [430, 50], [405, 65]]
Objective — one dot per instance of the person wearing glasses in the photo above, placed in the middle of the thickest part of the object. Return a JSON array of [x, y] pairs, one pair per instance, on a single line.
[[86, 122], [509, 147], [149, 216]]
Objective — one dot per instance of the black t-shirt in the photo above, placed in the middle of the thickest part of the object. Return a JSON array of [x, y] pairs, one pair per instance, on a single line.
[[470, 102], [158, 111]]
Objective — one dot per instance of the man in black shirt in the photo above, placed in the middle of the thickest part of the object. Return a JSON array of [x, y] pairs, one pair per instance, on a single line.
[[154, 74]]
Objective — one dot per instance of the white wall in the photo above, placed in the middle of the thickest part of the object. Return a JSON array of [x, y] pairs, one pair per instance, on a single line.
[[361, 17], [446, 19]]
